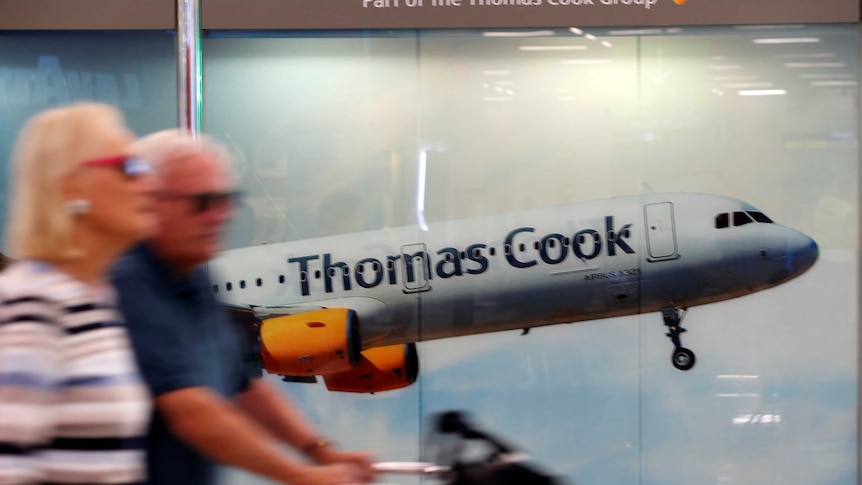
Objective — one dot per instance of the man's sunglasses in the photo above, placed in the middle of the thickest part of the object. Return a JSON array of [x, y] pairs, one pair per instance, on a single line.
[[131, 166], [205, 201]]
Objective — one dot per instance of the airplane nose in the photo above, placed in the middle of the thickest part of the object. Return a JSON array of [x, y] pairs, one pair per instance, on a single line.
[[802, 252], [794, 252]]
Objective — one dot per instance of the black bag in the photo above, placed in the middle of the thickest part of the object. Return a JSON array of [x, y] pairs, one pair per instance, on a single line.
[[503, 466]]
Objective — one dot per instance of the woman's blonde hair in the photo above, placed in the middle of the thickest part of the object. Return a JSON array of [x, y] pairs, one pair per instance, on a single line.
[[50, 146]]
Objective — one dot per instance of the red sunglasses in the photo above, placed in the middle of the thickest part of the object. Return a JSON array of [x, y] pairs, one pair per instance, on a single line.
[[131, 165]]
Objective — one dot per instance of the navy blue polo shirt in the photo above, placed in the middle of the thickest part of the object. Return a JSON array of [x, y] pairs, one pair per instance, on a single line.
[[182, 338]]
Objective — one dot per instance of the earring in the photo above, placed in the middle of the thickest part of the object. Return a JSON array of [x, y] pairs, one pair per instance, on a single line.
[[78, 206]]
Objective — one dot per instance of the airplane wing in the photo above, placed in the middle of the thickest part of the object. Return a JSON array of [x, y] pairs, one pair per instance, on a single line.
[[362, 305], [253, 314], [242, 314]]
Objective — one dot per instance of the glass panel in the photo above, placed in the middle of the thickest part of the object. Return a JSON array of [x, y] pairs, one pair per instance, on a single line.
[[490, 182], [741, 218], [324, 131], [760, 217], [132, 70]]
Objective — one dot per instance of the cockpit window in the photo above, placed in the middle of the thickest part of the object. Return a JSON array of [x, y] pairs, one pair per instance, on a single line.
[[760, 217], [741, 218]]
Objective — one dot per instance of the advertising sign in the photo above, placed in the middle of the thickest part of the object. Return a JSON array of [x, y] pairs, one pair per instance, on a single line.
[[488, 178], [384, 14]]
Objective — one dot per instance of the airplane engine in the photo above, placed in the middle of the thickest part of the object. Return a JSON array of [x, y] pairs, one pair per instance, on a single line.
[[312, 343], [379, 369]]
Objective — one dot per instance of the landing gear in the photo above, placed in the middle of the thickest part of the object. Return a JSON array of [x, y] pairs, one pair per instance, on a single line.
[[682, 358]]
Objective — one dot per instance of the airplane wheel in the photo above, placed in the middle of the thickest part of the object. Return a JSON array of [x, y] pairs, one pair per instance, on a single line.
[[683, 359]]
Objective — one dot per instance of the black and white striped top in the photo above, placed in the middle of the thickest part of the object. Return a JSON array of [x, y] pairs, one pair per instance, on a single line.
[[73, 408]]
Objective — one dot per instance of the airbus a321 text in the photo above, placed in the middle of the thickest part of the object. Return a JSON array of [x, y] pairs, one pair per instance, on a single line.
[[350, 308]]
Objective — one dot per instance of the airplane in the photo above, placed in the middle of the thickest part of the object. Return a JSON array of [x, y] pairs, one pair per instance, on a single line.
[[351, 308]]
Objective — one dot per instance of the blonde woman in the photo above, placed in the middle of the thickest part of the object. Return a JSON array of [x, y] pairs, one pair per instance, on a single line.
[[73, 408]]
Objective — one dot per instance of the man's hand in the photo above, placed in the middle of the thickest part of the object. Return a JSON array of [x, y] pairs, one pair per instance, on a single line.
[[361, 460], [334, 474]]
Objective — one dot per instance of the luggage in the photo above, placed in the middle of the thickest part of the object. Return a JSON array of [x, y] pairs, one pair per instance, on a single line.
[[503, 465]]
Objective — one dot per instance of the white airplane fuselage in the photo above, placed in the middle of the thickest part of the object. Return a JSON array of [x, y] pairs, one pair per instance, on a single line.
[[567, 263]]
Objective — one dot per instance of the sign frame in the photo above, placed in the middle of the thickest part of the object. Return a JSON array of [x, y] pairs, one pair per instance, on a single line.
[[88, 15]]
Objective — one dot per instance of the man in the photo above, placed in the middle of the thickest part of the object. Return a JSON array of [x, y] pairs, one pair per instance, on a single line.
[[210, 407]]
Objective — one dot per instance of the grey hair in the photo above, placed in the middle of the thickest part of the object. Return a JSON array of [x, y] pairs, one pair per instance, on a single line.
[[164, 149]]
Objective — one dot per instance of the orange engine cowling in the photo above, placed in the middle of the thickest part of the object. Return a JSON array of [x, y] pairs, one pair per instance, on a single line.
[[312, 343], [379, 369]]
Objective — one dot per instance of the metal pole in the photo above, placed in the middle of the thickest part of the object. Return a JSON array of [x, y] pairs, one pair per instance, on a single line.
[[189, 65]]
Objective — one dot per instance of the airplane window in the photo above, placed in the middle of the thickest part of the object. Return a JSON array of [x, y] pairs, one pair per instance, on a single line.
[[242, 283], [627, 233], [228, 286], [581, 239], [303, 276], [507, 249], [332, 272], [281, 278], [259, 282], [760, 217], [722, 221], [551, 243], [566, 241], [376, 266], [492, 251], [535, 245], [463, 255], [741, 218], [360, 268], [596, 238], [316, 274], [522, 247], [215, 288], [345, 270], [477, 252], [390, 265]]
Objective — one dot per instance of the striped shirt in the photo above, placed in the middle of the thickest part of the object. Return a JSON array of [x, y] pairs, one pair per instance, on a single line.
[[73, 408]]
